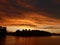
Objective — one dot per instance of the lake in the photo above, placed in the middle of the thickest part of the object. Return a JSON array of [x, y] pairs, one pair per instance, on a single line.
[[13, 40]]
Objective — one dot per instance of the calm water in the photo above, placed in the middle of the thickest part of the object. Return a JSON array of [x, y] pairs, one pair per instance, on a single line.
[[12, 40]]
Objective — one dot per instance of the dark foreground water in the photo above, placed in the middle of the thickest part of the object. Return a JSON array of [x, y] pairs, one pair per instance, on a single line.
[[12, 40]]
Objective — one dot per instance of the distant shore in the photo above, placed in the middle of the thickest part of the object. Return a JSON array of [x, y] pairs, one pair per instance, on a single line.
[[25, 32]]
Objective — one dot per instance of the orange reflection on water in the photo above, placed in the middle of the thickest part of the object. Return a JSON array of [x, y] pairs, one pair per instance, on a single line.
[[12, 40]]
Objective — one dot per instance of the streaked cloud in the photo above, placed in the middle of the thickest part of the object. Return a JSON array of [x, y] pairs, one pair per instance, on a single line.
[[33, 13]]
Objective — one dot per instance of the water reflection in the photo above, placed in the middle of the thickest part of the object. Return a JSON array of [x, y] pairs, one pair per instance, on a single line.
[[2, 40], [12, 40]]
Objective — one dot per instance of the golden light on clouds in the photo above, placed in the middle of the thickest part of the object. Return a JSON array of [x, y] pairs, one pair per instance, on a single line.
[[31, 19], [18, 28], [30, 13]]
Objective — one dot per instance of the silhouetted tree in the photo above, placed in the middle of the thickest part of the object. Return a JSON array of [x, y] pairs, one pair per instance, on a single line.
[[3, 31]]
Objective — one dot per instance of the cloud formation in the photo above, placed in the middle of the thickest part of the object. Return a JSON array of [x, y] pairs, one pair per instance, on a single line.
[[29, 12]]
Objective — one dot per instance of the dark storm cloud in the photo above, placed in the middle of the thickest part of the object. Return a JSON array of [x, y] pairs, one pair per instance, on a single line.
[[49, 6], [12, 8], [16, 8]]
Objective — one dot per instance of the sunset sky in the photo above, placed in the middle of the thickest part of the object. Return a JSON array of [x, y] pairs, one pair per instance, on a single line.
[[30, 14]]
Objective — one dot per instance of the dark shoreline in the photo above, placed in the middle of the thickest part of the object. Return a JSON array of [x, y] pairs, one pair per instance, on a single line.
[[25, 32]]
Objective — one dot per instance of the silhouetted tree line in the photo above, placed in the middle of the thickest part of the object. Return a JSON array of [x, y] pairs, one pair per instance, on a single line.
[[3, 31], [25, 32], [31, 33]]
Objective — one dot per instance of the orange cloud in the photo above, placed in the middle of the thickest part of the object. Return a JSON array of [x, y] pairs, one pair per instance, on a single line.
[[28, 13], [32, 19]]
